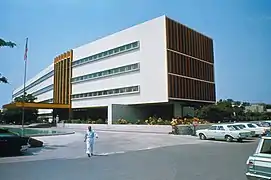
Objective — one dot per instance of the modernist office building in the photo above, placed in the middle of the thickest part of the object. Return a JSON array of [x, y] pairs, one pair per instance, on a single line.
[[158, 67]]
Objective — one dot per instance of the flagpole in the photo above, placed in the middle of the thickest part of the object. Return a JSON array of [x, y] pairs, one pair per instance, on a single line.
[[25, 63]]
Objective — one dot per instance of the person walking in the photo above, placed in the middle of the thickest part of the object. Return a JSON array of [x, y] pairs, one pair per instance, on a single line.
[[90, 140]]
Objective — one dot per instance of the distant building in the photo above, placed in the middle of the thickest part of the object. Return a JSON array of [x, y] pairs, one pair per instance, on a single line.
[[259, 108]]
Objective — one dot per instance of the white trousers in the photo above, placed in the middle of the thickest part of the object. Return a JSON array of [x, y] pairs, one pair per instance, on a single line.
[[90, 146]]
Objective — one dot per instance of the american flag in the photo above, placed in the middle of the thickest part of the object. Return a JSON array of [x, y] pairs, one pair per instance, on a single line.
[[26, 49]]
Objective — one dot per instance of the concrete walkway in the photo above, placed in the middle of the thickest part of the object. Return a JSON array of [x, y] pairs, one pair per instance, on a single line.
[[157, 129]]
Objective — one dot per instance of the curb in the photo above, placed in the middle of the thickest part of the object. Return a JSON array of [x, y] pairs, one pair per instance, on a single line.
[[56, 134], [147, 132]]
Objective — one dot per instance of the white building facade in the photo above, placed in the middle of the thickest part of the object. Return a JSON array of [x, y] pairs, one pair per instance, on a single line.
[[127, 68]]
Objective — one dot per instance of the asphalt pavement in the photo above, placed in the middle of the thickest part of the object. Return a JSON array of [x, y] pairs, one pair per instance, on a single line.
[[205, 161]]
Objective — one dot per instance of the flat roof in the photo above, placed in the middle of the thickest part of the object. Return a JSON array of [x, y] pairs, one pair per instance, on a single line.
[[36, 105]]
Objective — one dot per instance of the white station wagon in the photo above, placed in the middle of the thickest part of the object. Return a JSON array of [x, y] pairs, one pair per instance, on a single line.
[[253, 128], [227, 132]]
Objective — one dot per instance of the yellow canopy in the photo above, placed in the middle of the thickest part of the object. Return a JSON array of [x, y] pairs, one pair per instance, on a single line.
[[36, 105]]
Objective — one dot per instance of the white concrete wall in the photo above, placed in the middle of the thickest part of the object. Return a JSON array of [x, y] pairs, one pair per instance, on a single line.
[[45, 96], [45, 111], [39, 75], [45, 83], [151, 56]]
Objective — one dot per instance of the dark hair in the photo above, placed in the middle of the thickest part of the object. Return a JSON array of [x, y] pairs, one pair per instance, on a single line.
[[89, 128]]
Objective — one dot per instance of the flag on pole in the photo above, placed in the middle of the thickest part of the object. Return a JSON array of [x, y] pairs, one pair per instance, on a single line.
[[26, 49]]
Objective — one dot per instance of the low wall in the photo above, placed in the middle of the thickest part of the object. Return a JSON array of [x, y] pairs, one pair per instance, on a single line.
[[163, 129], [188, 129], [160, 129]]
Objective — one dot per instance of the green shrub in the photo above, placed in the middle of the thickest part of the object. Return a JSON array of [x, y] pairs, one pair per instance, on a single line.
[[100, 121], [68, 121], [156, 121], [140, 122], [122, 121], [167, 122], [76, 121]]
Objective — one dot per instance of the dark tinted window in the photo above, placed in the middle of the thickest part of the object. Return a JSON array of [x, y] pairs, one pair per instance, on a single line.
[[266, 147], [212, 128], [251, 126], [4, 131]]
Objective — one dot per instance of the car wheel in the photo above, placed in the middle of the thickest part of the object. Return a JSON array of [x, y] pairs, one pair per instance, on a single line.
[[228, 138], [202, 136], [240, 140]]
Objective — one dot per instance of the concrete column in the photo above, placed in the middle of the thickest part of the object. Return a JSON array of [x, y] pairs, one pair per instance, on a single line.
[[177, 110], [109, 114]]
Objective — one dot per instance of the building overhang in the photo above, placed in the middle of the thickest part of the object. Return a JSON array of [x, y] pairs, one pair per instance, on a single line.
[[36, 105]]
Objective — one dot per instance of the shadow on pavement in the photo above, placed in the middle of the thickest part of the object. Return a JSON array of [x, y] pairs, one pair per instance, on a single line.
[[32, 151], [244, 141]]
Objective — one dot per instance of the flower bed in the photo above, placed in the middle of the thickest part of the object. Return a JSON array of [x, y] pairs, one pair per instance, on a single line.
[[160, 121], [89, 121]]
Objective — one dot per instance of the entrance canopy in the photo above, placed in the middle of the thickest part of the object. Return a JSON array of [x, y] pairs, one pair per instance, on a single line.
[[36, 105]]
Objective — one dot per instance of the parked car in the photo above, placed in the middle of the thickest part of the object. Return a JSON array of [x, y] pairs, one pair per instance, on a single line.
[[259, 164], [227, 132], [12, 143], [259, 131], [244, 128], [262, 123]]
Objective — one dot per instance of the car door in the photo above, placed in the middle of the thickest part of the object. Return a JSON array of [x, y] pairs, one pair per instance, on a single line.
[[262, 163], [211, 131], [220, 132]]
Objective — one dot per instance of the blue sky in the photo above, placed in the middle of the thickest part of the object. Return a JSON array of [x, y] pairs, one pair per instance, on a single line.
[[240, 29]]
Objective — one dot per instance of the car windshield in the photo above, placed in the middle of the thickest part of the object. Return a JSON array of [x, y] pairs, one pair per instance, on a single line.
[[233, 127], [4, 131], [265, 124], [259, 125], [241, 126], [251, 126]]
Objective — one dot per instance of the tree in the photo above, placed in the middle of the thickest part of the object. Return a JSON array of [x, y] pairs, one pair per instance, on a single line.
[[1, 116], [246, 104], [210, 112], [15, 115], [10, 44], [3, 79], [28, 98], [4, 43], [223, 110], [230, 110]]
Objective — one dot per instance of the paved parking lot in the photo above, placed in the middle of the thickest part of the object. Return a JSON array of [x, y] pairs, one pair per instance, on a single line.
[[131, 156]]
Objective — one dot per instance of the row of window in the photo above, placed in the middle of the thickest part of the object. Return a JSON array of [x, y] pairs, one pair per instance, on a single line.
[[105, 54], [106, 73], [41, 79], [43, 90], [47, 101], [110, 92]]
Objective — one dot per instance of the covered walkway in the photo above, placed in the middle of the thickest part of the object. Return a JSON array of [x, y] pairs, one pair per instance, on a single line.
[[36, 105]]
